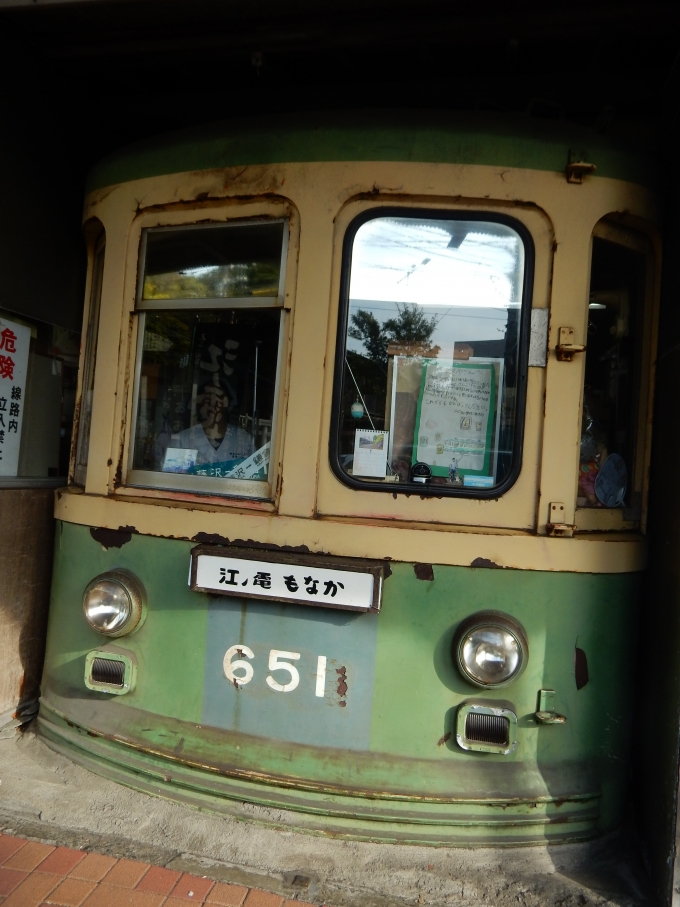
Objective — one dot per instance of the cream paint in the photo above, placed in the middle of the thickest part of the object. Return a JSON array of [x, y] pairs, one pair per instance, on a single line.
[[314, 508]]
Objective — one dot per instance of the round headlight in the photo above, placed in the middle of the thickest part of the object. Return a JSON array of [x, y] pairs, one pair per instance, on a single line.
[[490, 649], [113, 603]]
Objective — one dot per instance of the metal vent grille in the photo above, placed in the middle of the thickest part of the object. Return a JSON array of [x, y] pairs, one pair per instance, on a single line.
[[106, 670], [491, 729]]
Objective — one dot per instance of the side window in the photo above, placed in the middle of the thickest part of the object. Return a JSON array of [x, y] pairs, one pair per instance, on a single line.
[[431, 358], [210, 314], [85, 420], [610, 468]]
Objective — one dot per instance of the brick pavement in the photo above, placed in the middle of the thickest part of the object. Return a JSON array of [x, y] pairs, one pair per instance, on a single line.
[[37, 875]]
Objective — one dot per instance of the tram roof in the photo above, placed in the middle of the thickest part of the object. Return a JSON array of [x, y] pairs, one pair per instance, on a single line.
[[461, 138]]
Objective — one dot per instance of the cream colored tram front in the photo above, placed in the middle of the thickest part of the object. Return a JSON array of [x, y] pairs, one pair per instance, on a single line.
[[356, 525]]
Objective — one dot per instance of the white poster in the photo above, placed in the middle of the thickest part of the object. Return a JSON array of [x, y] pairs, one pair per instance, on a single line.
[[455, 416], [15, 341], [370, 453]]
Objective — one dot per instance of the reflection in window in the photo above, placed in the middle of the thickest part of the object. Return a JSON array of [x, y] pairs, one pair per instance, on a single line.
[[612, 375], [207, 376], [218, 262], [430, 359], [206, 393]]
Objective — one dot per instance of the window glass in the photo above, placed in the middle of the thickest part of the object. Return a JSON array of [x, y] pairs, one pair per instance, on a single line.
[[430, 353], [219, 262], [207, 372], [612, 375], [85, 419]]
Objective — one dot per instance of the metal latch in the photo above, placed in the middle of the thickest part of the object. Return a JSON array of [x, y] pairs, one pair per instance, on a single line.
[[577, 168], [556, 526], [566, 348], [546, 714]]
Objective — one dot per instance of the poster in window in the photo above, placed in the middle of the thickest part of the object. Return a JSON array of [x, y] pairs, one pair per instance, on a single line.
[[455, 417], [15, 340]]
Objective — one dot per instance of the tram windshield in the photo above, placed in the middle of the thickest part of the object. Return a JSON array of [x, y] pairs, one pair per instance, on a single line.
[[430, 360], [210, 314], [611, 398]]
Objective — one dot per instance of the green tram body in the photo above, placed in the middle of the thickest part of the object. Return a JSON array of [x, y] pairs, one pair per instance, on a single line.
[[386, 766]]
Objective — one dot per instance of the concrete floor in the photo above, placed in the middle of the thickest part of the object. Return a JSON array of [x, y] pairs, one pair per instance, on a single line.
[[46, 797]]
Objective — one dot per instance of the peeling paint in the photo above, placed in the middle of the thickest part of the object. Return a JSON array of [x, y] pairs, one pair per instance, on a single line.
[[113, 538], [485, 562], [424, 571]]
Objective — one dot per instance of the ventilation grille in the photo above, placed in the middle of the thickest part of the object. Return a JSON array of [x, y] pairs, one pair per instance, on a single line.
[[491, 729], [105, 670]]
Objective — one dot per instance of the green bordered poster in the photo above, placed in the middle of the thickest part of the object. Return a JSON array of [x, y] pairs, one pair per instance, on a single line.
[[455, 416]]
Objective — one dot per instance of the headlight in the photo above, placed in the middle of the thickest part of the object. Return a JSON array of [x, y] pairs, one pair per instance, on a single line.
[[490, 649], [114, 603]]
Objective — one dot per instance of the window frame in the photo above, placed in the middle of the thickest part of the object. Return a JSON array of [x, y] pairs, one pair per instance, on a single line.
[[142, 480], [419, 212], [89, 362], [633, 516]]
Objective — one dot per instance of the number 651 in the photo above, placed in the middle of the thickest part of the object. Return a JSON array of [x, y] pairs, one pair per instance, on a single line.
[[276, 663]]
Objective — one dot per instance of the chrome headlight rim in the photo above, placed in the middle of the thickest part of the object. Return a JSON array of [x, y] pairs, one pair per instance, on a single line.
[[134, 590], [496, 620]]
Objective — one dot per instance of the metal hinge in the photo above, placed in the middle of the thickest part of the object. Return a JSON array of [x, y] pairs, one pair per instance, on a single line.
[[556, 526], [566, 349], [577, 167]]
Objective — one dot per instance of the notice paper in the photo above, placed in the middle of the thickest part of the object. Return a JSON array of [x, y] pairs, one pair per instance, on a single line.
[[455, 416], [370, 453]]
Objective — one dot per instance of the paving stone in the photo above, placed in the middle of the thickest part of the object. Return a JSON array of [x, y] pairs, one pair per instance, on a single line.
[[62, 860], [93, 868], [32, 891], [227, 895], [9, 879], [159, 880], [9, 846], [71, 892], [29, 856], [192, 888], [258, 898], [298, 904], [114, 896], [126, 873]]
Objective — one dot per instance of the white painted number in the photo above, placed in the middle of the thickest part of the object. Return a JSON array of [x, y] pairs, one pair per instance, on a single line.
[[234, 660], [276, 665], [321, 675], [231, 666]]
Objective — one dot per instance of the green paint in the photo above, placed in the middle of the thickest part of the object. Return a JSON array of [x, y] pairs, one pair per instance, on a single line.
[[430, 137], [407, 771]]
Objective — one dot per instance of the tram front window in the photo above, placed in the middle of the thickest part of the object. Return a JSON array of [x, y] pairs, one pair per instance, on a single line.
[[613, 373], [210, 318], [432, 374]]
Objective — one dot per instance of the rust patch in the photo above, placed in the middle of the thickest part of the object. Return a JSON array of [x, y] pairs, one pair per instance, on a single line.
[[113, 538], [424, 571], [485, 562], [342, 684], [208, 538], [109, 462], [580, 668], [444, 739]]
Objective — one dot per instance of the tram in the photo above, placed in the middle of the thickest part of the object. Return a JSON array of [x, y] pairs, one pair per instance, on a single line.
[[355, 532]]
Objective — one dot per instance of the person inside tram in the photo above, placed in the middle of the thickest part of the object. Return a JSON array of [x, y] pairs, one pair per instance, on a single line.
[[213, 440]]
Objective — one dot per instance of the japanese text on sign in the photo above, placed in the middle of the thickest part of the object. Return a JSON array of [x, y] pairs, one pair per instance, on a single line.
[[14, 347], [285, 582]]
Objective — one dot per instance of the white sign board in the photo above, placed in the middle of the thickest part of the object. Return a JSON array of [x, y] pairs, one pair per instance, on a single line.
[[15, 341], [307, 584]]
